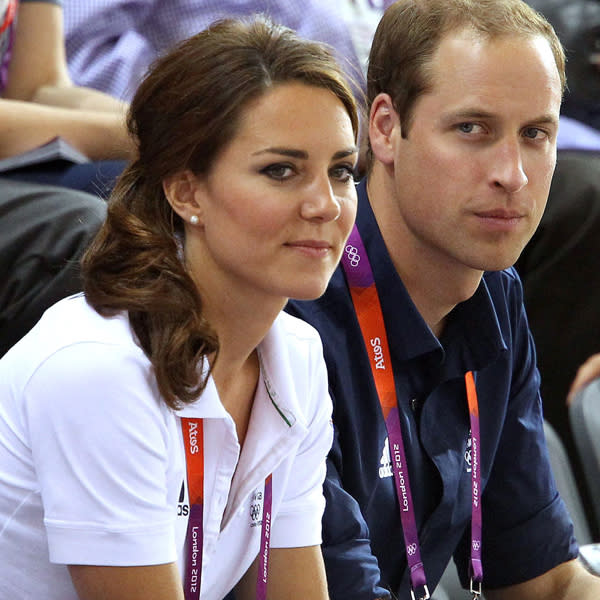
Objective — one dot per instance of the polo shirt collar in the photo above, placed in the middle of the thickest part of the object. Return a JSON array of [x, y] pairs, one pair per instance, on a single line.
[[276, 376], [277, 424], [473, 337]]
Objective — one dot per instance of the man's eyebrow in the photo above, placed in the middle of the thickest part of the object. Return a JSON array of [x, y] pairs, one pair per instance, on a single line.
[[302, 154], [469, 114], [546, 120]]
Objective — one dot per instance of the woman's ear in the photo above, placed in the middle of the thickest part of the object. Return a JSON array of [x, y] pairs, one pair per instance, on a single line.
[[384, 124], [181, 190]]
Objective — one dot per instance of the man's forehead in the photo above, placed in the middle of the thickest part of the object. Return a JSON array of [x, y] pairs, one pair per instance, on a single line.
[[473, 76], [470, 55]]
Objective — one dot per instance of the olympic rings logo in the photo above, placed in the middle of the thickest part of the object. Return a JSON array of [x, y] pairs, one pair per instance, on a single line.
[[476, 545], [411, 549], [353, 255], [254, 511]]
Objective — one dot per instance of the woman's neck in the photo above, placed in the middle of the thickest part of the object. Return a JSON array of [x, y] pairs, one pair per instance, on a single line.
[[236, 370], [237, 389]]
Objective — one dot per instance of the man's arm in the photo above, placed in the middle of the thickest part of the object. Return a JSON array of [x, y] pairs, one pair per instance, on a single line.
[[568, 581], [352, 568], [40, 102]]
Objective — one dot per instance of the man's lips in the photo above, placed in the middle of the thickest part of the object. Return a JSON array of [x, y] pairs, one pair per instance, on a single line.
[[500, 213], [500, 219]]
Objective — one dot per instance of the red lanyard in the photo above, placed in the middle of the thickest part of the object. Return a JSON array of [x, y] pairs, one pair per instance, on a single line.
[[369, 314], [9, 15], [193, 439]]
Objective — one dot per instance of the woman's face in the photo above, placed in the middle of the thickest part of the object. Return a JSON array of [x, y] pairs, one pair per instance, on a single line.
[[278, 204]]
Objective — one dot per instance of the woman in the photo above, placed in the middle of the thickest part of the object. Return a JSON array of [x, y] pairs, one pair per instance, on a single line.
[[171, 425]]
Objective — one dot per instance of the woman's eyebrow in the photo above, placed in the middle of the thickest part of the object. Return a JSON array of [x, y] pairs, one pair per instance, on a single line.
[[291, 152], [302, 154]]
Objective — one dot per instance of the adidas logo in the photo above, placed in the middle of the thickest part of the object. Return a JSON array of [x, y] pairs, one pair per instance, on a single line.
[[385, 470], [468, 453]]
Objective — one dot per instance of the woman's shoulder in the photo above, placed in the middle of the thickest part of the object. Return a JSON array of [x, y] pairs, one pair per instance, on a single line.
[[73, 339], [293, 354], [73, 321], [297, 340], [298, 329]]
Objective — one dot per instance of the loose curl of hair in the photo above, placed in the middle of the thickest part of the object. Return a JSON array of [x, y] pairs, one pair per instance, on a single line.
[[186, 110]]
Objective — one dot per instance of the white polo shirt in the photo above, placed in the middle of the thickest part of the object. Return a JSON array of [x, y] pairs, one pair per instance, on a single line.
[[92, 463]]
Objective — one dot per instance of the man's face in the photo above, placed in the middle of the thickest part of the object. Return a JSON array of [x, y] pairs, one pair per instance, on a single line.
[[472, 175]]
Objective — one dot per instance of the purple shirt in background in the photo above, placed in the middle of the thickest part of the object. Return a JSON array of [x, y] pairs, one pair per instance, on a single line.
[[574, 135], [111, 43]]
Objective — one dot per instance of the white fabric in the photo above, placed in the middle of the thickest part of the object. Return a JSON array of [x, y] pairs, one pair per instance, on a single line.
[[92, 461]]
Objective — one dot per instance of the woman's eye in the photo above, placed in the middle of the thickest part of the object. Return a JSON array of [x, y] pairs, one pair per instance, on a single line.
[[278, 171], [343, 173]]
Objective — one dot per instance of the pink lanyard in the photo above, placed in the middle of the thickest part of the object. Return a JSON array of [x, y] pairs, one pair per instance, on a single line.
[[193, 438], [368, 311], [7, 35]]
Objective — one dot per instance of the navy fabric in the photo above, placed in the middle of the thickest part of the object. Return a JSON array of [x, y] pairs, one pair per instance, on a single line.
[[97, 177], [526, 528]]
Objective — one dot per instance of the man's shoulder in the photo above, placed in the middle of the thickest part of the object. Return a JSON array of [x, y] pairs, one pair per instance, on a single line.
[[503, 285]]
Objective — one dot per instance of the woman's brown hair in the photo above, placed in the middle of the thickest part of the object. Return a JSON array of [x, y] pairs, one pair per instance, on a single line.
[[185, 112]]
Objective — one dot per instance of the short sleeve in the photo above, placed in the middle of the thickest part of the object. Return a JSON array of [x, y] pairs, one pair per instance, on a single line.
[[523, 539], [101, 445]]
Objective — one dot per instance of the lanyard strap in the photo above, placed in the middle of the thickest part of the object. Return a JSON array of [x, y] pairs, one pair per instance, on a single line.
[[476, 570], [367, 306], [9, 15], [265, 541], [193, 440]]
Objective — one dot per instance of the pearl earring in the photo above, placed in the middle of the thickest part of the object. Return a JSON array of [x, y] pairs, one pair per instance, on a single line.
[[194, 219]]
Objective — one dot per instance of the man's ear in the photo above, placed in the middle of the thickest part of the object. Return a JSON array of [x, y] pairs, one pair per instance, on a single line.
[[384, 124], [181, 190]]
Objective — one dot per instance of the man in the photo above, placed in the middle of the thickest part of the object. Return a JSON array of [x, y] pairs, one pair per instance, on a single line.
[[464, 102]]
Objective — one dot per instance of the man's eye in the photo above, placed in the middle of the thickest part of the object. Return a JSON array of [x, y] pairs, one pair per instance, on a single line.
[[533, 133], [466, 127]]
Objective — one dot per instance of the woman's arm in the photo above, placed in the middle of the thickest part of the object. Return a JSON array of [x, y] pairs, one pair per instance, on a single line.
[[293, 573], [156, 582], [40, 101]]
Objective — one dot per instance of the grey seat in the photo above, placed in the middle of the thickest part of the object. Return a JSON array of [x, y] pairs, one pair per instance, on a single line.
[[584, 417], [567, 485]]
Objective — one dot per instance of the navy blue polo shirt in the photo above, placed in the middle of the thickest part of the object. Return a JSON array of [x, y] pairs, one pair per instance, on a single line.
[[526, 528]]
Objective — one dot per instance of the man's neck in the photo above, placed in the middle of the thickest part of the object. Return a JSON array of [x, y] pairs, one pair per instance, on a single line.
[[434, 284]]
